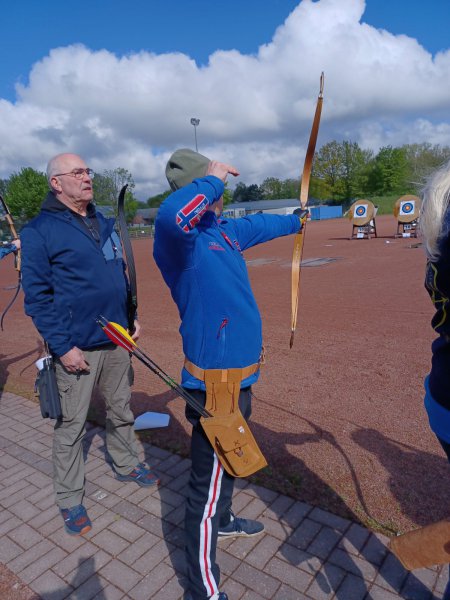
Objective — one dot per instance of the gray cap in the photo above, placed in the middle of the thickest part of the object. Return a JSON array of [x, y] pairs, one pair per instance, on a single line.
[[184, 166]]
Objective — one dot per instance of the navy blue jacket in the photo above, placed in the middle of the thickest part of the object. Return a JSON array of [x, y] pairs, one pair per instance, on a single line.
[[200, 258], [69, 278]]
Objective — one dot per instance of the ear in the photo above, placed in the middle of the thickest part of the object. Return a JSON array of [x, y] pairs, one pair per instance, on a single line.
[[55, 184]]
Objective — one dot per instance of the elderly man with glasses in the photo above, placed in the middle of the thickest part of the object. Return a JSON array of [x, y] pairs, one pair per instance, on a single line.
[[73, 270]]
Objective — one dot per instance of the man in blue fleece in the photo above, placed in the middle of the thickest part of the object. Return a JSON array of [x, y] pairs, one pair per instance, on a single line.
[[73, 270], [200, 258]]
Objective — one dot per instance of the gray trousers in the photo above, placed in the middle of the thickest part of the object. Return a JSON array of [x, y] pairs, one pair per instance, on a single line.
[[112, 372]]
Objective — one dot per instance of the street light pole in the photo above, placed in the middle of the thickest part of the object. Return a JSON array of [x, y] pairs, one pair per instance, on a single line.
[[195, 122]]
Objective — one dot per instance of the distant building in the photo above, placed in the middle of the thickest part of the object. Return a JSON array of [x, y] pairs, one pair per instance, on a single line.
[[145, 216], [280, 207]]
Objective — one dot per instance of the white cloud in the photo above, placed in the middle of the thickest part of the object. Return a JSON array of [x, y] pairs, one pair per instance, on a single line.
[[255, 110]]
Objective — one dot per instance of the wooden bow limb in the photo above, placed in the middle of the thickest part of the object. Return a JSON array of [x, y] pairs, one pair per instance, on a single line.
[[304, 189], [6, 215]]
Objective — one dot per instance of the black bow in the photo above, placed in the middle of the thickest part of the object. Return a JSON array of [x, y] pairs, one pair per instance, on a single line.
[[128, 251]]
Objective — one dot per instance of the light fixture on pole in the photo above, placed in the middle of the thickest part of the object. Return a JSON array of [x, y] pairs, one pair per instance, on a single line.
[[195, 122]]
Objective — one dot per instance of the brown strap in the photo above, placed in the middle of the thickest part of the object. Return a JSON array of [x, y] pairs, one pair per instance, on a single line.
[[300, 237], [222, 375]]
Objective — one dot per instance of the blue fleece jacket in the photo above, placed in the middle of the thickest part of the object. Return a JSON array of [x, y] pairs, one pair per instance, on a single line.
[[69, 278], [200, 258]]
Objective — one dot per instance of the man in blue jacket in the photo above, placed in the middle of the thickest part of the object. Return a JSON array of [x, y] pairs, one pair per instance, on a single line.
[[73, 271], [200, 258]]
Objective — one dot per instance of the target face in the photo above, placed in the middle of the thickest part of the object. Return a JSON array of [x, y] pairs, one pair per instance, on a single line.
[[360, 210], [407, 208]]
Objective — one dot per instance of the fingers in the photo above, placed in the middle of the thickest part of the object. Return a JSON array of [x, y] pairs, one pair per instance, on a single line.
[[221, 170], [137, 331], [74, 362]]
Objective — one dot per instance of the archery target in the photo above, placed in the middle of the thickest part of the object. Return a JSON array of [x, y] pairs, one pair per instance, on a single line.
[[360, 211], [407, 208]]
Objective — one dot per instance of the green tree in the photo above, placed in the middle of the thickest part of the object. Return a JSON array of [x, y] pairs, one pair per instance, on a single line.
[[25, 192], [342, 168], [240, 192], [389, 172], [155, 201], [107, 186], [423, 159], [270, 189]]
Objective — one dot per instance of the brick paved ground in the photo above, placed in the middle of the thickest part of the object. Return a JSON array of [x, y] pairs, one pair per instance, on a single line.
[[135, 547]]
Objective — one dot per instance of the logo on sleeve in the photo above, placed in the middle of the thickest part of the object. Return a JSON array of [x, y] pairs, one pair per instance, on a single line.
[[192, 212], [216, 246]]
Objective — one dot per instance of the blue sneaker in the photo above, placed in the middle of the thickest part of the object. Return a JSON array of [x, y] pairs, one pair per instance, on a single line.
[[223, 596], [238, 527], [141, 474], [76, 520]]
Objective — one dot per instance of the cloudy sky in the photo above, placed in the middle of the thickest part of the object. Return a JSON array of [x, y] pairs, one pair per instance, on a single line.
[[118, 82]]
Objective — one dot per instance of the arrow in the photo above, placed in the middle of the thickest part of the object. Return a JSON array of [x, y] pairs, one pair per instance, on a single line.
[[120, 336]]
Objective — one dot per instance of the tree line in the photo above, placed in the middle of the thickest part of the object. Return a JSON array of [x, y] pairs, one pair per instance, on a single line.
[[342, 172]]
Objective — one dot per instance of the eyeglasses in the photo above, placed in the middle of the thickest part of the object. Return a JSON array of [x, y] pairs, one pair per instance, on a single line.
[[77, 173]]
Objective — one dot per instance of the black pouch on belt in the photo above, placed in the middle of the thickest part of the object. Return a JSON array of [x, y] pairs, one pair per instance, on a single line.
[[47, 390]]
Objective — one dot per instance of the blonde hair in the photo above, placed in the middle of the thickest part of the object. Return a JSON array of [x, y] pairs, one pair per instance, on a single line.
[[436, 197]]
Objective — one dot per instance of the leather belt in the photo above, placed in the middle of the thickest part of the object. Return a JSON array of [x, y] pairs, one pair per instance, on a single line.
[[200, 373]]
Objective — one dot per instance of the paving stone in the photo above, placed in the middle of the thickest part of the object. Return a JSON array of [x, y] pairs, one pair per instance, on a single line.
[[375, 549], [75, 558], [263, 552], [25, 536], [120, 575], [352, 588], [326, 582], [355, 538], [287, 593], [41, 565], [353, 564], [49, 585], [252, 578], [138, 548], [324, 542], [26, 558], [127, 530], [172, 589], [148, 586], [8, 550], [296, 578]]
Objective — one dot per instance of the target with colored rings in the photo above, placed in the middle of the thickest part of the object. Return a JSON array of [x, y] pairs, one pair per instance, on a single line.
[[407, 208], [360, 210]]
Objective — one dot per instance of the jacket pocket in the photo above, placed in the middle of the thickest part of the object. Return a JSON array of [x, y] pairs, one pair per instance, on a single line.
[[222, 341]]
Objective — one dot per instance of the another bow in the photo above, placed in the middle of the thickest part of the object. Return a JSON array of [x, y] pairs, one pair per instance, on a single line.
[[128, 250], [6, 215], [304, 188]]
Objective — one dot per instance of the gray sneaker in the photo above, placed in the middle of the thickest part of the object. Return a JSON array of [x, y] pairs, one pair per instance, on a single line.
[[238, 527]]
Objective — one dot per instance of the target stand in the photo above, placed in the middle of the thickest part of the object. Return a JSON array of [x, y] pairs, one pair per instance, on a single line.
[[362, 214], [406, 211]]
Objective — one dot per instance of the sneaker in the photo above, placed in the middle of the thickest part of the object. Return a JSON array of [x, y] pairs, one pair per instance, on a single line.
[[76, 520], [222, 596], [238, 527], [141, 474]]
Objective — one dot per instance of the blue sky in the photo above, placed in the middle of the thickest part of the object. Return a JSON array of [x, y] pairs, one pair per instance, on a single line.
[[195, 27], [119, 81]]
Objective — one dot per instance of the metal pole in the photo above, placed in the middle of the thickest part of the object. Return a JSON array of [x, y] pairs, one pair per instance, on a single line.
[[195, 122]]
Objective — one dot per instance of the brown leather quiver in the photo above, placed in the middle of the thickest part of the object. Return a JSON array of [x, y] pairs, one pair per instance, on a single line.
[[226, 428], [423, 547]]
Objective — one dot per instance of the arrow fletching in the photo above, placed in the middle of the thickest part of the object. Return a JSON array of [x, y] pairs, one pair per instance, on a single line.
[[117, 334]]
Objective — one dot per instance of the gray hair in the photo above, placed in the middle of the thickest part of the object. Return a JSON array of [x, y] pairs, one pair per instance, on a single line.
[[435, 202], [53, 167]]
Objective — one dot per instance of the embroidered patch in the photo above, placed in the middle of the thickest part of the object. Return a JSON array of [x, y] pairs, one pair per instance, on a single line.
[[192, 212], [216, 246]]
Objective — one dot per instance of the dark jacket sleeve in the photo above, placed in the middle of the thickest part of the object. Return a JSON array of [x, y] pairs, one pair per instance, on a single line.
[[38, 289]]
